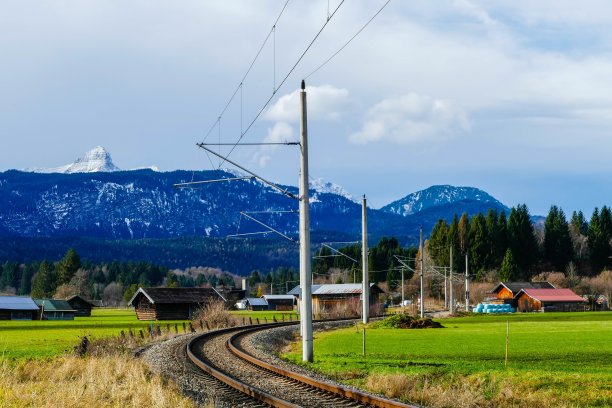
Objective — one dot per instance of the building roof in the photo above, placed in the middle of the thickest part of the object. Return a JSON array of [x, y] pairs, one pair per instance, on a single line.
[[176, 295], [279, 297], [54, 305], [257, 301], [336, 289], [17, 303], [515, 287], [552, 295], [82, 299]]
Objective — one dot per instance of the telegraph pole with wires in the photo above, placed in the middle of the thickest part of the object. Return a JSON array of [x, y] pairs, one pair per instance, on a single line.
[[365, 289], [421, 297], [305, 266], [452, 297], [467, 285]]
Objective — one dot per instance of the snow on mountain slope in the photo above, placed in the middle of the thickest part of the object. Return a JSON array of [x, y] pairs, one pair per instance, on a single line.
[[438, 196], [95, 160]]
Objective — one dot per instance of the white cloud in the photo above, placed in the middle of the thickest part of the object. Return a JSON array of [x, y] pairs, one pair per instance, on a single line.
[[280, 132], [325, 102], [411, 118]]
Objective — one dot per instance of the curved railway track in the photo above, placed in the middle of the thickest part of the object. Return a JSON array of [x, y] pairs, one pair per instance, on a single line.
[[220, 355]]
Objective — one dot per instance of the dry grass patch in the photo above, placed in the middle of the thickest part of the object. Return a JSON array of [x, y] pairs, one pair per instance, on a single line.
[[70, 381]]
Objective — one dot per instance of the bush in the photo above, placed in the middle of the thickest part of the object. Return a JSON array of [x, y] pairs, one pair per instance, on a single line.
[[404, 321], [215, 316]]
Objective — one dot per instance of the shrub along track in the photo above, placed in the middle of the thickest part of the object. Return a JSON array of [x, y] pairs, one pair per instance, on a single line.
[[220, 355]]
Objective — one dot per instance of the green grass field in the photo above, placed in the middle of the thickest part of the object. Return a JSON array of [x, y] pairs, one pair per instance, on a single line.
[[567, 354], [48, 338], [270, 315]]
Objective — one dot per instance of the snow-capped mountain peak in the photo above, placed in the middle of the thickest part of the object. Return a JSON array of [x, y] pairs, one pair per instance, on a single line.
[[321, 186], [95, 160]]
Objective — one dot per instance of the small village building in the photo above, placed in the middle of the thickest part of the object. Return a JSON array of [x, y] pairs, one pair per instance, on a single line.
[[81, 306], [256, 304], [18, 308], [549, 300], [505, 292], [54, 309], [280, 302], [172, 303], [342, 299]]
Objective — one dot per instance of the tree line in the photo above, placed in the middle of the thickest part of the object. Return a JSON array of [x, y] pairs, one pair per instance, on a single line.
[[519, 249]]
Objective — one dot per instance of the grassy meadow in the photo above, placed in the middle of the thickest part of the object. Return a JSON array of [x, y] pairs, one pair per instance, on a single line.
[[555, 359], [48, 338]]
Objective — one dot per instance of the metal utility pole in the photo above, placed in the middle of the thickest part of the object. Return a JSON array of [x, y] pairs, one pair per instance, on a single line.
[[467, 285], [421, 297], [452, 297], [402, 304], [305, 267], [365, 289], [445, 288]]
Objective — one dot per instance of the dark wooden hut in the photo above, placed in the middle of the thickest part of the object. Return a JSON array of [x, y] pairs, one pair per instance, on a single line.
[[256, 304], [81, 306], [280, 302], [54, 309], [171, 303]]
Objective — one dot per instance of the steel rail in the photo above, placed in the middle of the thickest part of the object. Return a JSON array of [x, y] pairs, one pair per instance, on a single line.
[[344, 392]]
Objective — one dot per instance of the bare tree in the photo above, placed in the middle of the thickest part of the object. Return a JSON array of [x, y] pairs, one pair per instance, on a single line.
[[113, 294]]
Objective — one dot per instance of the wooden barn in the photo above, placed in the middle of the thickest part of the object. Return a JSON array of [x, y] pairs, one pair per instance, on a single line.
[[18, 308], [256, 304], [280, 302], [505, 292], [54, 309], [81, 306], [342, 298], [171, 303], [549, 300]]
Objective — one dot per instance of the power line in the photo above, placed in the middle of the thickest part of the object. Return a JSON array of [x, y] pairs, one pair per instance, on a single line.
[[239, 87], [265, 105], [349, 41]]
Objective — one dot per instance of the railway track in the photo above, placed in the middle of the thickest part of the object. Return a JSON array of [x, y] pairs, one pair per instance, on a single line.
[[220, 355]]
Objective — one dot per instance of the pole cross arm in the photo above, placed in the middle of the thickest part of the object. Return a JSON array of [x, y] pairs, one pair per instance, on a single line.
[[263, 180]]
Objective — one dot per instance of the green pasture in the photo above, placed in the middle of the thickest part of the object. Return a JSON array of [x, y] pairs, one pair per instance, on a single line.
[[48, 338], [567, 351], [261, 315]]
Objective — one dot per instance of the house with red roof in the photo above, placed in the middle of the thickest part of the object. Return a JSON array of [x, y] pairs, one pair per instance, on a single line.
[[548, 300]]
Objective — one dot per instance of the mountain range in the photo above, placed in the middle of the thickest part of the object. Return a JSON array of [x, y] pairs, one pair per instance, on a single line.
[[92, 198]]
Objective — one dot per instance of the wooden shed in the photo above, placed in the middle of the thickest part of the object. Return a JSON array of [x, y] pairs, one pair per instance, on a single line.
[[54, 309], [505, 292], [280, 302], [18, 308], [171, 303], [256, 304], [549, 300], [81, 306], [342, 298]]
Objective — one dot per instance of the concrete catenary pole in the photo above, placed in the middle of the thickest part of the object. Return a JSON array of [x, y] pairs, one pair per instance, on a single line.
[[305, 267], [421, 297], [452, 297], [467, 285], [365, 288]]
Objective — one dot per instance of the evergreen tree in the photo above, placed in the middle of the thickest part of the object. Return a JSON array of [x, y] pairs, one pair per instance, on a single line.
[[438, 243], [599, 234], [68, 266], [453, 238], [501, 239], [43, 283], [25, 284], [579, 222], [521, 240], [463, 230], [479, 246], [492, 224], [509, 269], [558, 248]]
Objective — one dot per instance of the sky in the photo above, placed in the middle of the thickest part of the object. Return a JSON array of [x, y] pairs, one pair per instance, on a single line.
[[514, 98]]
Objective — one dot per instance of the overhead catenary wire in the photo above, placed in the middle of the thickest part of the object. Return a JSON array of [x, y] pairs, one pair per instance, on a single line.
[[349, 41], [239, 87], [267, 102]]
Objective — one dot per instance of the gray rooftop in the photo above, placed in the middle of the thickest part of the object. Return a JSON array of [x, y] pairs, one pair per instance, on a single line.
[[279, 297], [335, 289], [257, 302], [17, 303]]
